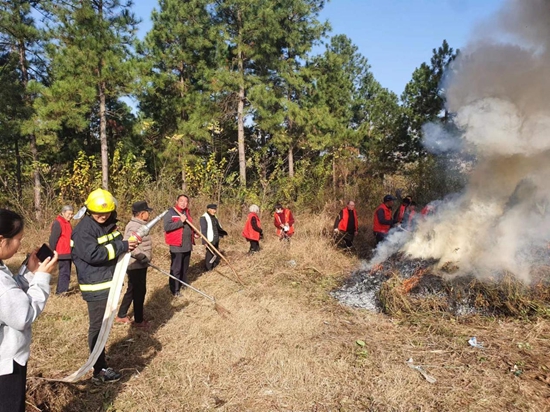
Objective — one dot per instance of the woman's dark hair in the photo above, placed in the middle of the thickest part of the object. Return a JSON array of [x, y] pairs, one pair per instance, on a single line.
[[180, 196], [11, 223]]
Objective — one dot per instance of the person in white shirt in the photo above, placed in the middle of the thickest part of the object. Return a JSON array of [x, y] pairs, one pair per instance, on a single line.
[[22, 299]]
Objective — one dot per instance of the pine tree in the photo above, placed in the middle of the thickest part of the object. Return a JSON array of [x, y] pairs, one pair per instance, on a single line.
[[178, 63], [424, 95], [92, 63], [338, 75], [18, 33], [277, 99]]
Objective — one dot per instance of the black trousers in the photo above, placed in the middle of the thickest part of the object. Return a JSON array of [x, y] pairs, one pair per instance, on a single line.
[[254, 246], [178, 268], [96, 310], [64, 276], [346, 240], [209, 260], [379, 236], [137, 285], [13, 388]]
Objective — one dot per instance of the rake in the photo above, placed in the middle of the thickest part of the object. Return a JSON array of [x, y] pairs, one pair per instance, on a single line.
[[211, 247], [219, 308]]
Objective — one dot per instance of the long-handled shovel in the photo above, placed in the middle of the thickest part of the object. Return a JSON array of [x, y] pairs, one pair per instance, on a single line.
[[219, 308], [211, 247]]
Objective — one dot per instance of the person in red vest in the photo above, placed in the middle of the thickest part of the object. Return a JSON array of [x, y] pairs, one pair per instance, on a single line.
[[346, 225], [60, 241], [252, 231], [383, 221], [429, 209], [180, 237], [409, 220], [284, 222], [400, 212]]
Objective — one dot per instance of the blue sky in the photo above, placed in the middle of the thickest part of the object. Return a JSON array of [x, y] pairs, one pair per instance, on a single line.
[[396, 36]]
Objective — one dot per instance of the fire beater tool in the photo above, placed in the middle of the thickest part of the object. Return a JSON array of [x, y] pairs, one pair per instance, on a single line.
[[211, 247], [219, 308]]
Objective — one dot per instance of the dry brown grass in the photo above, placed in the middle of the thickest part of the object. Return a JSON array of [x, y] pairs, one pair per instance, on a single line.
[[287, 346]]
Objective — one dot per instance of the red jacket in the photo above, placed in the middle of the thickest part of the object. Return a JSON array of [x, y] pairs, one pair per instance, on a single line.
[[248, 232], [377, 226], [287, 218], [174, 237], [343, 224]]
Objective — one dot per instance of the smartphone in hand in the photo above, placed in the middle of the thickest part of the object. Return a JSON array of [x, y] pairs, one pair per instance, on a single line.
[[44, 252]]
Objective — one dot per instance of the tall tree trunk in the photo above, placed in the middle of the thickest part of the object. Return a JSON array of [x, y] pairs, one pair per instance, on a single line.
[[240, 131], [19, 183], [240, 107], [102, 87], [183, 174], [103, 137], [37, 188], [182, 161], [334, 174], [290, 162]]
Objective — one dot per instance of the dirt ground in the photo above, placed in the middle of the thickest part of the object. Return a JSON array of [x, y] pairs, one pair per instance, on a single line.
[[286, 344]]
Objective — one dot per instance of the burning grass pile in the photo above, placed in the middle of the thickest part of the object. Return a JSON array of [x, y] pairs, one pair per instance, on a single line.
[[401, 286]]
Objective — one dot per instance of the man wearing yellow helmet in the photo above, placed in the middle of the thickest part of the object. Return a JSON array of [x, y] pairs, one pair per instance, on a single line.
[[96, 246]]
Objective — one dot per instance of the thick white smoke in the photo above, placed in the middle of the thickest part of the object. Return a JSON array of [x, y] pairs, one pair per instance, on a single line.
[[500, 93]]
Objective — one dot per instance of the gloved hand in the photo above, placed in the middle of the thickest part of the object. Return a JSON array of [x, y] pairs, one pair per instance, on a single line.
[[261, 235], [336, 231]]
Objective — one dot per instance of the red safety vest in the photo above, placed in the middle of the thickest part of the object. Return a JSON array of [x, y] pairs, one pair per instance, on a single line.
[[63, 246], [427, 210], [248, 232], [411, 218], [174, 238], [278, 222], [400, 213], [343, 225], [376, 225]]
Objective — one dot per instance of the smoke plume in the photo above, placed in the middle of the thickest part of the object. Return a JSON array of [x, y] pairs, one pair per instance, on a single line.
[[500, 93]]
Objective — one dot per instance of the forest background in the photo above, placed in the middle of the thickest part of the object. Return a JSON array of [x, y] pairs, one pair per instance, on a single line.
[[231, 105]]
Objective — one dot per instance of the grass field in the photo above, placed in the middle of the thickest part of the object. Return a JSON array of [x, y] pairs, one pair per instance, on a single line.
[[286, 345]]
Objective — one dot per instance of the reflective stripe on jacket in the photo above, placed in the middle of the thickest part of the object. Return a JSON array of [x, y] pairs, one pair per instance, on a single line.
[[248, 231], [95, 251]]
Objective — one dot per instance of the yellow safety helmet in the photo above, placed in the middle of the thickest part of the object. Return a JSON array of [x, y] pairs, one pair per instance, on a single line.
[[100, 201]]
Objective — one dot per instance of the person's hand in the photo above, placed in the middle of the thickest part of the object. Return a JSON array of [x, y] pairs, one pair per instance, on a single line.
[[48, 264], [356, 232], [32, 261], [132, 243], [336, 231], [261, 235], [183, 218]]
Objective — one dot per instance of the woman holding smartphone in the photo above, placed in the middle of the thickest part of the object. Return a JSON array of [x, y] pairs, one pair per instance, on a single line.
[[22, 299]]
